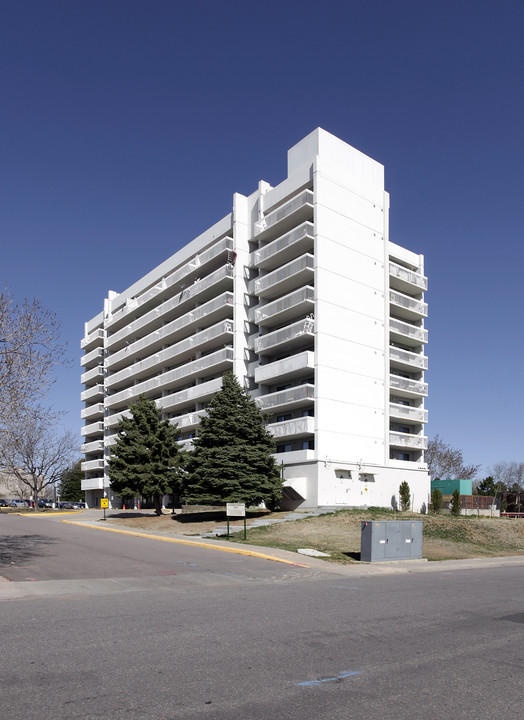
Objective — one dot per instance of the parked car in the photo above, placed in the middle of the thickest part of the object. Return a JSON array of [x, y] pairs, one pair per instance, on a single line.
[[18, 503], [4, 502], [45, 503]]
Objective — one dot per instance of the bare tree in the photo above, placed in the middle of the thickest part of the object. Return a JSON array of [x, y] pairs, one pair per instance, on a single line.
[[30, 350], [35, 453], [511, 474], [446, 462]]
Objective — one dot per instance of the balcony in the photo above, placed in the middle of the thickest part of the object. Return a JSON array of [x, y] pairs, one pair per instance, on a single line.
[[289, 214], [407, 307], [217, 309], [93, 375], [217, 335], [96, 428], [92, 412], [197, 393], [403, 359], [408, 413], [289, 429], [201, 290], [111, 421], [92, 358], [199, 264], [188, 421], [92, 340], [407, 334], [298, 303], [405, 280], [285, 339], [295, 397], [93, 483], [405, 387], [408, 441], [285, 248], [217, 362], [94, 393], [286, 278], [97, 446], [92, 465], [290, 368]]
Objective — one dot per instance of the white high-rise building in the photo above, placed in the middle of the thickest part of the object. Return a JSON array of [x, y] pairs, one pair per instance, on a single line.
[[300, 292]]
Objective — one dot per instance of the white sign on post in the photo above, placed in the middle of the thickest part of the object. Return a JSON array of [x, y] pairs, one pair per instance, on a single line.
[[236, 509]]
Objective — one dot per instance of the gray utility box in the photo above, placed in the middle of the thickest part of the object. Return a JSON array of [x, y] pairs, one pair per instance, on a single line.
[[390, 540]]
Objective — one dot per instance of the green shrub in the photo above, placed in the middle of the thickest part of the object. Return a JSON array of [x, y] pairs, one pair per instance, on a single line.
[[455, 503], [436, 501], [405, 496]]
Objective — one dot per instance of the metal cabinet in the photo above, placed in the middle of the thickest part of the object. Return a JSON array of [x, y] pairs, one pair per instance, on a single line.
[[385, 540]]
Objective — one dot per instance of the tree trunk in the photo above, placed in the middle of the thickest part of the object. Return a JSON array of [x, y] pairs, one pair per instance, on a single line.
[[157, 499]]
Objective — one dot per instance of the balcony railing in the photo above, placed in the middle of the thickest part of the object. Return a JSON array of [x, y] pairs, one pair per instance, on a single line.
[[189, 420], [408, 412], [408, 278], [219, 334], [410, 332], [409, 359], [218, 362], [297, 396], [405, 440], [286, 369], [92, 447], [297, 209], [299, 302], [411, 307], [96, 373], [92, 357], [293, 274], [92, 411], [96, 483], [292, 428], [284, 248], [200, 289], [196, 264], [94, 338], [197, 393], [285, 338], [416, 387], [92, 465], [92, 429], [219, 308], [92, 393], [111, 421]]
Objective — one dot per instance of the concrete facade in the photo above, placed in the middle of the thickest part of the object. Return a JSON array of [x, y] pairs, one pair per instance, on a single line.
[[301, 293]]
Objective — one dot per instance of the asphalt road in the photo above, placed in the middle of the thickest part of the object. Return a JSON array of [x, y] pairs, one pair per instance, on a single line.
[[231, 637]]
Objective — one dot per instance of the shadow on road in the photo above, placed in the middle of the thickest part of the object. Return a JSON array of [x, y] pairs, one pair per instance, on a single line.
[[18, 549]]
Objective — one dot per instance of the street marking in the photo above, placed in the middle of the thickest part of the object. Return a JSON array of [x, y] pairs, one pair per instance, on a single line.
[[344, 587], [340, 676], [237, 551]]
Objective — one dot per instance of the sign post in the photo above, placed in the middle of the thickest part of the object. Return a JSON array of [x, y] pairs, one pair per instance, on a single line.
[[236, 510], [104, 503]]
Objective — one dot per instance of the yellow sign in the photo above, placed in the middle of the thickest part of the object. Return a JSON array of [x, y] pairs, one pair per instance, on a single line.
[[104, 503]]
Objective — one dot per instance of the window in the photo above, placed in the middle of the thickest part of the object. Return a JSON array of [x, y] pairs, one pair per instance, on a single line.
[[308, 444], [283, 418], [283, 448]]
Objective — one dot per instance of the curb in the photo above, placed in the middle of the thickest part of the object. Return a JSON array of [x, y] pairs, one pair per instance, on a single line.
[[193, 543]]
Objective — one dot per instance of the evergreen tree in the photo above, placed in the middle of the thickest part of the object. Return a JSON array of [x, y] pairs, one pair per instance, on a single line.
[[232, 458], [405, 495], [436, 501], [456, 503], [70, 483], [145, 459]]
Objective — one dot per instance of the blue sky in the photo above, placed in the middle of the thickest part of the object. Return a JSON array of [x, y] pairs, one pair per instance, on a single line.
[[127, 125]]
